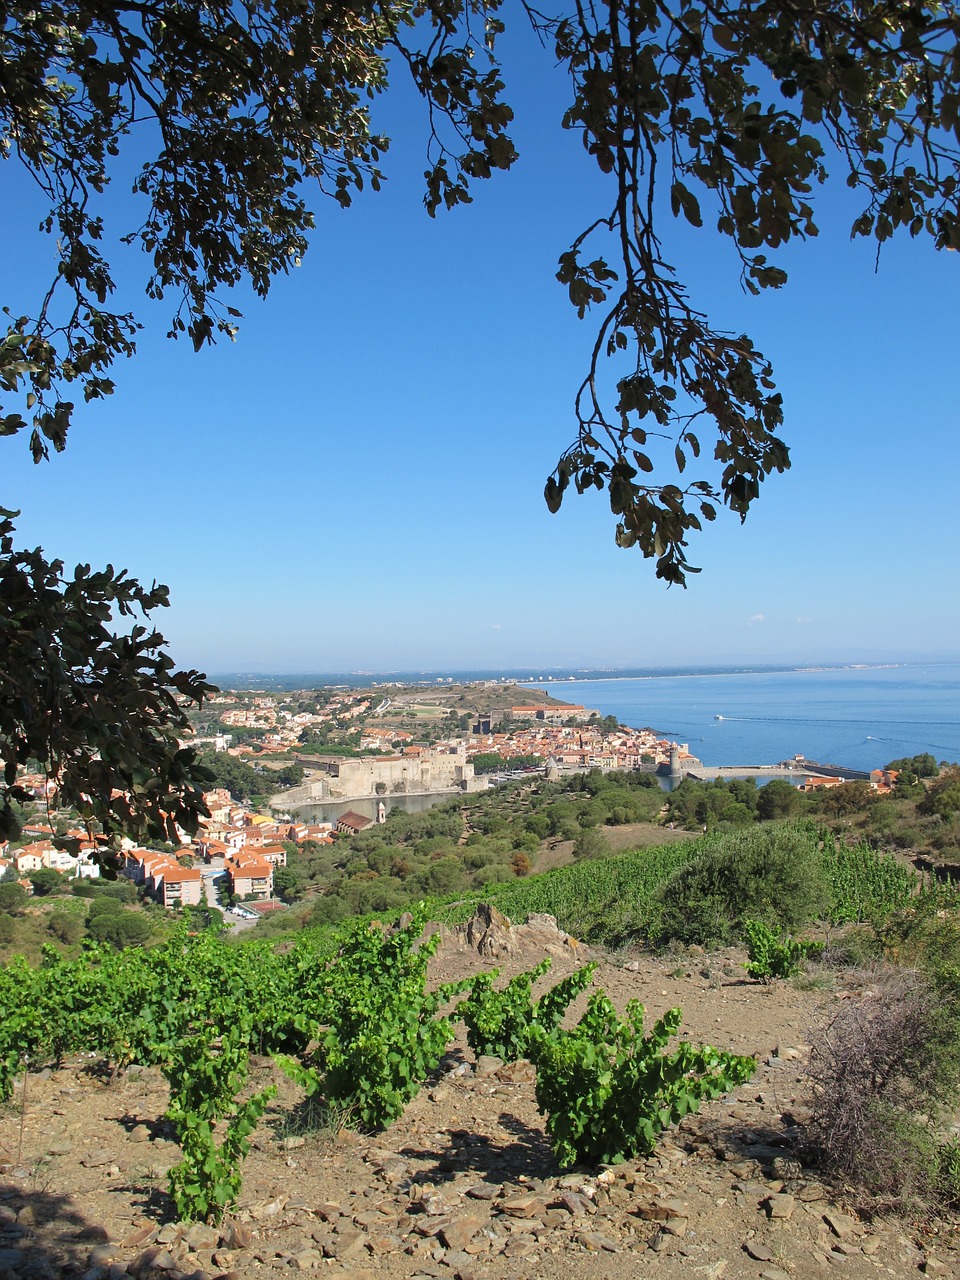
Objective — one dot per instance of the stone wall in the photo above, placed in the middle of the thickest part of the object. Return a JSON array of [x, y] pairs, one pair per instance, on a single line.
[[434, 769]]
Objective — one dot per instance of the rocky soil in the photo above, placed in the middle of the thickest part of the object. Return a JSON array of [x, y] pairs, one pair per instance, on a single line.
[[465, 1184]]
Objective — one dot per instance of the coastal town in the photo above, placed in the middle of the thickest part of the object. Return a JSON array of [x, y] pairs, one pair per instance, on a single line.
[[239, 847], [356, 754], [568, 733]]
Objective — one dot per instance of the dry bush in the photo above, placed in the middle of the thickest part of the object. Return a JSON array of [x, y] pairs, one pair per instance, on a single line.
[[851, 948], [877, 1085]]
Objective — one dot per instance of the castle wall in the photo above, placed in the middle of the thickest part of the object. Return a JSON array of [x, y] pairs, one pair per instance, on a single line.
[[434, 769], [431, 770]]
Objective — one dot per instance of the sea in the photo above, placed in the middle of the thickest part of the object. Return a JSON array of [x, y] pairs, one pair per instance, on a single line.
[[858, 717]]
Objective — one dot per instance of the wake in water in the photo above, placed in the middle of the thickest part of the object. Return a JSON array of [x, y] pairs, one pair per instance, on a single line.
[[828, 720]]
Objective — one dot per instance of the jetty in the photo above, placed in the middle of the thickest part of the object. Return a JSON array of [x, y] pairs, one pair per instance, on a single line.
[[791, 770]]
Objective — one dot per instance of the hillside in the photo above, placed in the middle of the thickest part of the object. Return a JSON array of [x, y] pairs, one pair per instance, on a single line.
[[465, 1183], [464, 1179]]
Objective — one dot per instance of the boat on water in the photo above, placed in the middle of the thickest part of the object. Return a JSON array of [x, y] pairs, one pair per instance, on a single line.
[[718, 717]]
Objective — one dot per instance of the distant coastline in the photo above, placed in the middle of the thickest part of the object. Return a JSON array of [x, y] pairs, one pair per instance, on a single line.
[[701, 672], [544, 675]]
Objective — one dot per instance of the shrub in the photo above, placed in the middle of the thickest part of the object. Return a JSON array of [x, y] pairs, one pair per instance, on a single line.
[[503, 1022], [329, 909], [13, 897], [778, 799], [922, 766], [608, 1090], [590, 843], [948, 1172], [772, 956], [495, 873], [883, 1069], [46, 881], [856, 948], [771, 874], [943, 797], [926, 937], [102, 905], [65, 927], [443, 877], [847, 798], [120, 928], [121, 890]]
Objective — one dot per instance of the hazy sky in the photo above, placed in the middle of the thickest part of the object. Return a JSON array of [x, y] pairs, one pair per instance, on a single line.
[[356, 482]]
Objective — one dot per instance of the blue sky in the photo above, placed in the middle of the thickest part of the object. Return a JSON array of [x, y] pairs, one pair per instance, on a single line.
[[356, 482]]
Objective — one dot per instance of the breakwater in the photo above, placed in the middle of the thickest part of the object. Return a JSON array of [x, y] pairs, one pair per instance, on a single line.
[[793, 772]]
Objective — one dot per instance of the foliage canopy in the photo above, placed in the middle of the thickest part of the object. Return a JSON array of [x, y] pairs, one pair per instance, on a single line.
[[726, 115], [99, 711]]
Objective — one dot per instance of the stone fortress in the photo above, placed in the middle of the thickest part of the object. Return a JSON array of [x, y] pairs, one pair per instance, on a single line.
[[431, 769]]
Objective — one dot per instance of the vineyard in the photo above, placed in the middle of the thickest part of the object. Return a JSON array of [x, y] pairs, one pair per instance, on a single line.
[[351, 1018], [621, 900]]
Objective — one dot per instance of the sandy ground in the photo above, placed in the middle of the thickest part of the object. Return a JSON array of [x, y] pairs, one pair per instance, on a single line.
[[465, 1185]]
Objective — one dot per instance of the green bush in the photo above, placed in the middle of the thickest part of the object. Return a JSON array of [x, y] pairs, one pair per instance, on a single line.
[[102, 905], [46, 881], [924, 936], [121, 890], [921, 766], [608, 1089], [778, 799], [591, 843], [772, 956], [330, 909], [505, 1022], [495, 873], [66, 927], [772, 874], [120, 928], [380, 1031], [13, 897]]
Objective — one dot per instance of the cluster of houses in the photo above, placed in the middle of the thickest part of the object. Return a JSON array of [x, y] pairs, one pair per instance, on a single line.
[[578, 746], [40, 853], [283, 727], [882, 781], [173, 883], [248, 846]]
